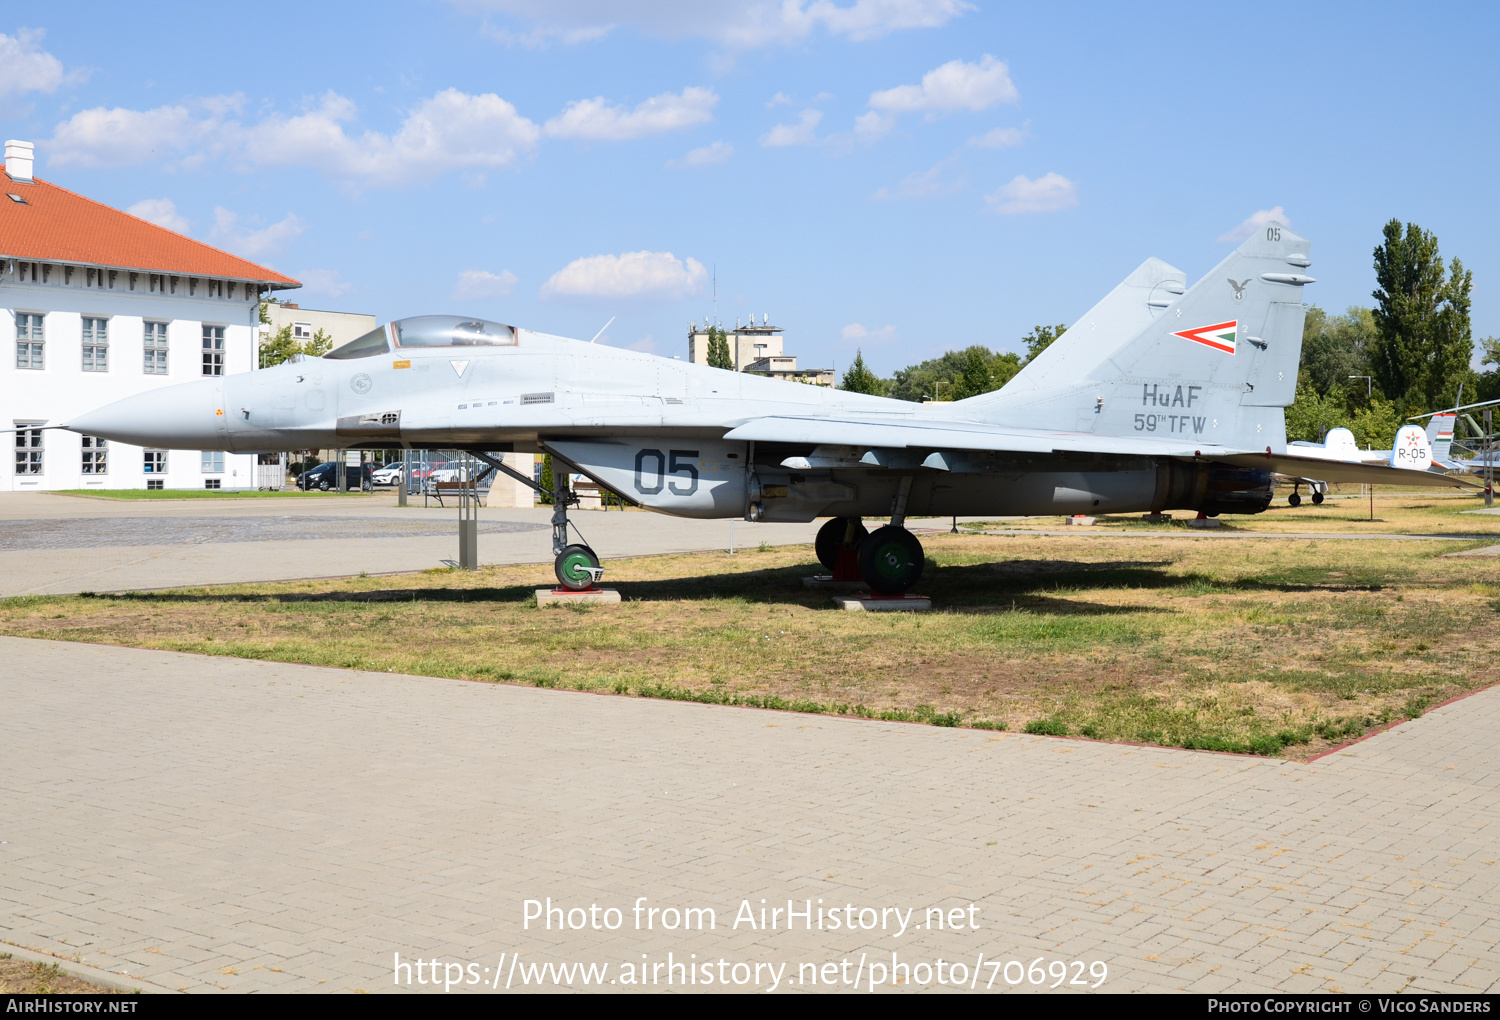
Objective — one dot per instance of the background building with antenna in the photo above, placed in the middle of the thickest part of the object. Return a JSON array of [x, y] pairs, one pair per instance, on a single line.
[[756, 348]]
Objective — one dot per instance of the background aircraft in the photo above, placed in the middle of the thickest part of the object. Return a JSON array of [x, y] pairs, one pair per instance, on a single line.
[[1166, 397]]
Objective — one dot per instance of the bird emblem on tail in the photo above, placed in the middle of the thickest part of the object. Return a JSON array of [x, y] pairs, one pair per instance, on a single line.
[[1239, 288]]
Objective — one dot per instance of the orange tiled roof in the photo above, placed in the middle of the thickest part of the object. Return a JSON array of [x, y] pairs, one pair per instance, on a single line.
[[56, 225]]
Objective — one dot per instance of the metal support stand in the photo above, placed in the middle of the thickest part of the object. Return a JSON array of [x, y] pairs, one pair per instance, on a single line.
[[561, 497], [1489, 456], [468, 515], [341, 470], [405, 478]]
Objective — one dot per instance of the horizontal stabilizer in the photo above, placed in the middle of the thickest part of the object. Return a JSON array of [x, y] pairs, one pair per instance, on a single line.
[[1344, 471]]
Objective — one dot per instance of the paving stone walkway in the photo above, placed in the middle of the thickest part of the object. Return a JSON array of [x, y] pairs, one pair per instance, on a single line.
[[216, 824]]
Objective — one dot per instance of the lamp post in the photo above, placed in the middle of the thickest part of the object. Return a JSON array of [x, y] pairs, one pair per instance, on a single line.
[[1369, 385], [936, 391]]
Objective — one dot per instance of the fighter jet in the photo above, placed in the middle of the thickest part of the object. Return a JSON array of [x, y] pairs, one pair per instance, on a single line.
[[1165, 397]]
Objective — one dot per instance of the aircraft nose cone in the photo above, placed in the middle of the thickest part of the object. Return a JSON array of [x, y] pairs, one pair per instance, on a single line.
[[188, 416]]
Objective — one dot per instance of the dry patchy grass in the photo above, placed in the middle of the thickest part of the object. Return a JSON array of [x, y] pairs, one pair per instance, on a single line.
[[22, 977], [1271, 647]]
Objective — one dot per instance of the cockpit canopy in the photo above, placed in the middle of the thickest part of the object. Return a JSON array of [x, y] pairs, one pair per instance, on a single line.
[[427, 331]]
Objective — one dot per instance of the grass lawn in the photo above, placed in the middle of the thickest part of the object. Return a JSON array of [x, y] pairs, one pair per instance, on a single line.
[[1279, 646], [1421, 512], [203, 493]]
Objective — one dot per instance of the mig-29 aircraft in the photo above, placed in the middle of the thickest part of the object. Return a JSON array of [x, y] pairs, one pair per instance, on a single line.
[[1164, 398]]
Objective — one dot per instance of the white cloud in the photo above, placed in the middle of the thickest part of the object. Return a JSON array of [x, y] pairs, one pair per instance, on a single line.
[[25, 67], [858, 335], [327, 282], [1047, 193], [1254, 222], [801, 133], [779, 99], [636, 274], [451, 130], [927, 184], [954, 86], [162, 212], [740, 24], [999, 138], [121, 137], [708, 155], [595, 120], [251, 243], [646, 343], [477, 284]]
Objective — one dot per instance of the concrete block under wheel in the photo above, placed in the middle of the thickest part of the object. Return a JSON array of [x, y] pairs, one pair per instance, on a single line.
[[828, 581], [1205, 522], [883, 603], [1080, 520], [596, 597]]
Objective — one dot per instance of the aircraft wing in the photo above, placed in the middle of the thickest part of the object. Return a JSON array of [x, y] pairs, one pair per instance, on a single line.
[[937, 434], [1324, 470]]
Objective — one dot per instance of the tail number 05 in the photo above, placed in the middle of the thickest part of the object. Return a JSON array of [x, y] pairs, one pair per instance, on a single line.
[[654, 465]]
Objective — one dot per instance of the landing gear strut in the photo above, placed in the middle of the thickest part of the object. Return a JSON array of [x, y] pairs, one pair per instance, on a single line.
[[577, 566]]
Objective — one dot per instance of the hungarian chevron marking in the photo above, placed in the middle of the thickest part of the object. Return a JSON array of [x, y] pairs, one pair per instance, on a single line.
[[1220, 336]]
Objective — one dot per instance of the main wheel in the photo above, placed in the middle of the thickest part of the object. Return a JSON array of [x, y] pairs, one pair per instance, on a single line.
[[1317, 498], [890, 560], [571, 567], [831, 536], [1295, 500]]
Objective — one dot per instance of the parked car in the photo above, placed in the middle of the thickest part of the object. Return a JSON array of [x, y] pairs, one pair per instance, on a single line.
[[323, 477], [388, 475]]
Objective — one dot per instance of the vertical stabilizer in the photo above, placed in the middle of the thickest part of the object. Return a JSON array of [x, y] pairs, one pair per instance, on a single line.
[[1217, 365], [1440, 438]]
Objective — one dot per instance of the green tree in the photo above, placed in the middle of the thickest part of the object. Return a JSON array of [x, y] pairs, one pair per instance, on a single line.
[[1335, 347], [859, 378], [1312, 414], [545, 481], [1374, 427], [1423, 339], [1487, 385], [983, 371], [1040, 338], [718, 348]]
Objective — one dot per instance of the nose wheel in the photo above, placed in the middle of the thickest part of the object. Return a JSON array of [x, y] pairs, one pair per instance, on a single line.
[[577, 568]]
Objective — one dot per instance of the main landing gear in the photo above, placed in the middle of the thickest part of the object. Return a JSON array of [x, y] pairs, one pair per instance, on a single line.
[[889, 559], [1296, 500]]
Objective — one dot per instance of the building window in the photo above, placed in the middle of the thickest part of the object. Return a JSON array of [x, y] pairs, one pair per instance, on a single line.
[[213, 462], [156, 348], [95, 452], [95, 345], [213, 350], [30, 341], [156, 483], [302, 331], [28, 449], [213, 483], [156, 462]]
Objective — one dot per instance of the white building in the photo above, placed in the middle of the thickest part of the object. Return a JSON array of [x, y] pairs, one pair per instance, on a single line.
[[756, 349], [306, 323], [97, 305]]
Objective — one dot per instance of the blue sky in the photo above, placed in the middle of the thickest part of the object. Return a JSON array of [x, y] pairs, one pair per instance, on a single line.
[[904, 176]]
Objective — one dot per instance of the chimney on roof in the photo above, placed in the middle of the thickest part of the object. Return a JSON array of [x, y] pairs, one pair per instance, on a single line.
[[18, 159]]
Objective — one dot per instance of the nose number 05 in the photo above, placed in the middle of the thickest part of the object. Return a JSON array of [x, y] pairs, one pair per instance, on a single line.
[[663, 469]]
